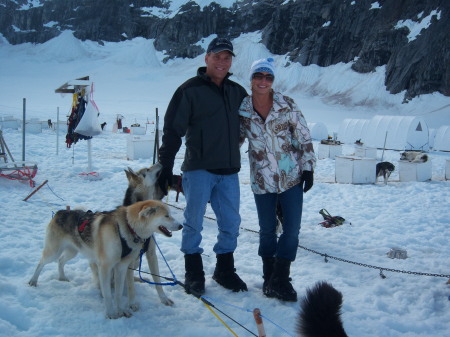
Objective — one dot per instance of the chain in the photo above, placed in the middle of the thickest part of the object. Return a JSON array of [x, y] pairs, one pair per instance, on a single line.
[[326, 257]]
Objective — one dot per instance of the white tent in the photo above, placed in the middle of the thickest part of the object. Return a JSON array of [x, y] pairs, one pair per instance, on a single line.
[[351, 130], [432, 135], [400, 133], [318, 131], [442, 139]]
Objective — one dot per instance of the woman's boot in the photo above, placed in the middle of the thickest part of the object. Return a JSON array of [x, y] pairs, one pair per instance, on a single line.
[[280, 283], [268, 263]]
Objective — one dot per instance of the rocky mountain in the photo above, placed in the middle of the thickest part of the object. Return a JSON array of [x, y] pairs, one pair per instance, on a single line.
[[410, 37]]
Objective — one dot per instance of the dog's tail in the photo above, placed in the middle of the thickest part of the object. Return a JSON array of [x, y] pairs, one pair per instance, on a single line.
[[320, 312]]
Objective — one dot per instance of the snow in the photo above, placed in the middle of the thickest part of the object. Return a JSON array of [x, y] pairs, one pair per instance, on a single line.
[[415, 28], [174, 7], [130, 78]]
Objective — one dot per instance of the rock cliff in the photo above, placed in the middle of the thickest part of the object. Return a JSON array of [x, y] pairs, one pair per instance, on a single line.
[[410, 37]]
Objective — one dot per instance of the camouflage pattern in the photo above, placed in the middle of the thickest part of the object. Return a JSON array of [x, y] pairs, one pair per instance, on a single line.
[[280, 148]]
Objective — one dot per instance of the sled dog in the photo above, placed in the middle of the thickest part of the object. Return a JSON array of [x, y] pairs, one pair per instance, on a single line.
[[111, 241], [414, 156], [320, 312], [143, 185], [384, 169]]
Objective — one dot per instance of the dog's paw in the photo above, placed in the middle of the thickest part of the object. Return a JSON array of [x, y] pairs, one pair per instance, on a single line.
[[33, 283], [113, 315], [134, 307], [126, 314], [167, 301], [64, 279]]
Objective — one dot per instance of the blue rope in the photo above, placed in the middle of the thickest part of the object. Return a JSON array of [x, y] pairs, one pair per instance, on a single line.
[[54, 192], [175, 282], [246, 310], [205, 298]]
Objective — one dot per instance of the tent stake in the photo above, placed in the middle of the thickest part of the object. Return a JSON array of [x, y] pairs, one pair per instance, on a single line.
[[36, 189], [259, 322]]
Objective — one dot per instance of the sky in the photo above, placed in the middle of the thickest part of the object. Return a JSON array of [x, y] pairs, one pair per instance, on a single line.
[[130, 79]]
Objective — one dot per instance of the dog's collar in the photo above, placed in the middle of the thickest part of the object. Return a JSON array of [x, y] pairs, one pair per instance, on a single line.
[[126, 249], [136, 238]]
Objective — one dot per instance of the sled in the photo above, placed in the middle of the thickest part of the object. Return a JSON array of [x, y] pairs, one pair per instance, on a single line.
[[19, 170]]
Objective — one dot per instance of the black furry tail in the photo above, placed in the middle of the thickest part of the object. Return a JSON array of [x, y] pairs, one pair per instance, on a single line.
[[320, 312]]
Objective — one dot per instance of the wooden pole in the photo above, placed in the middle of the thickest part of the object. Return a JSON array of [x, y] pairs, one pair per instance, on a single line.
[[89, 155], [35, 190], [23, 128], [259, 322], [156, 147], [57, 130]]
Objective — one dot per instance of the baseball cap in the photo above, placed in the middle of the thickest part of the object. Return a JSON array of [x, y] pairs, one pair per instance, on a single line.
[[220, 44]]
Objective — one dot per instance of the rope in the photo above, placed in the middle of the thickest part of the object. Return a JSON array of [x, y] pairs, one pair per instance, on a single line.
[[89, 174], [247, 310], [174, 280], [54, 192], [23, 173], [220, 319]]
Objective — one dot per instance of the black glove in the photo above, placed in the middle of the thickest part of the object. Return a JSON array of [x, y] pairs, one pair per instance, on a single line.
[[308, 179], [165, 179]]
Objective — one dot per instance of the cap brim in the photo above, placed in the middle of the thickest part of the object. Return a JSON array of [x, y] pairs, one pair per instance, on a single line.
[[219, 49]]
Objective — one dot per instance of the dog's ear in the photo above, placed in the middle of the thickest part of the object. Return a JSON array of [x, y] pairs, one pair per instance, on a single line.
[[148, 211], [132, 177]]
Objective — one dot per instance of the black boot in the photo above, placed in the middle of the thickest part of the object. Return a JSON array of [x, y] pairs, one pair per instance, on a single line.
[[195, 276], [268, 263], [225, 273], [279, 285]]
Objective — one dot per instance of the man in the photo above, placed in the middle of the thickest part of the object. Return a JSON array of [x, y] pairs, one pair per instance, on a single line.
[[204, 110]]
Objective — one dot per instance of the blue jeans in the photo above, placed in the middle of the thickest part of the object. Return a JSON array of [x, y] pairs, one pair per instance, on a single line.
[[291, 204], [201, 186]]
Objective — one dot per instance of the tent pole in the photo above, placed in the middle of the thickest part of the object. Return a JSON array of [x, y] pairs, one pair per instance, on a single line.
[[89, 155], [57, 130], [384, 146], [23, 128], [156, 147]]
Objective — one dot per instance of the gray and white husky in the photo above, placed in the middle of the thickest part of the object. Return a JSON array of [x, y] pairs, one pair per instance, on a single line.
[[143, 185]]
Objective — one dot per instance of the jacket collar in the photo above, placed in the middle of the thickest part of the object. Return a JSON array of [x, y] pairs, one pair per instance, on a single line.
[[279, 104]]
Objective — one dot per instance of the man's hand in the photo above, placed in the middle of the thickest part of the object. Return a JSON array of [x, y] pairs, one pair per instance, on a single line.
[[308, 179], [165, 179]]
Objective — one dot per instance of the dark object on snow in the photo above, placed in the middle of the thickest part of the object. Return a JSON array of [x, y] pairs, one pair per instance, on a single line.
[[330, 221], [320, 312]]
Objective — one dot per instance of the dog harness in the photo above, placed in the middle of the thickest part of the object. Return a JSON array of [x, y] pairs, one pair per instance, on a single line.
[[126, 249], [86, 219]]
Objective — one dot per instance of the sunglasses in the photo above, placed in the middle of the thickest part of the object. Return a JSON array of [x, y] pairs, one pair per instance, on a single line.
[[260, 77]]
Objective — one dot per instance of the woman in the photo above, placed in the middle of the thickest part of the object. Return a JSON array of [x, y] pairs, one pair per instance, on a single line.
[[282, 161]]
